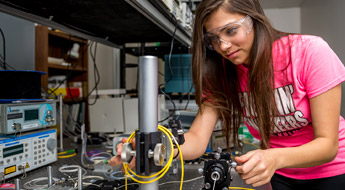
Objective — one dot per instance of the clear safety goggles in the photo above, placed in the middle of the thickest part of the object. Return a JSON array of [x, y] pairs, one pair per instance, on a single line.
[[229, 33]]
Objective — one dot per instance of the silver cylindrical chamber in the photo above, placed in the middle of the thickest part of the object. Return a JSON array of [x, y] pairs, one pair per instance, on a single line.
[[148, 101], [148, 94]]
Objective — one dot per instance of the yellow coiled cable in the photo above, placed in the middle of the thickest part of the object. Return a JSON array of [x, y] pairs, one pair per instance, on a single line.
[[162, 172]]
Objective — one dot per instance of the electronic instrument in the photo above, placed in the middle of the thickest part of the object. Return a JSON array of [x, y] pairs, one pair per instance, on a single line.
[[27, 152], [27, 116]]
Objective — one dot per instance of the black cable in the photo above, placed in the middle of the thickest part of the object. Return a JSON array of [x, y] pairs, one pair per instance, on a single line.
[[71, 71], [191, 87], [190, 90], [68, 60], [182, 74], [166, 95], [171, 74], [171, 49], [3, 49], [96, 76]]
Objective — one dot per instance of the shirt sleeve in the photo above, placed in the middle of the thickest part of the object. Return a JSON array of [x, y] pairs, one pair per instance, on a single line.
[[323, 69]]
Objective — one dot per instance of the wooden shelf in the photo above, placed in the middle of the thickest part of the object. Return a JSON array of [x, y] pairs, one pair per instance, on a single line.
[[56, 44], [66, 36], [63, 67]]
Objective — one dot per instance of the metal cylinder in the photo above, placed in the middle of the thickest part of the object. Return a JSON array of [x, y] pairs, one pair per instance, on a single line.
[[50, 177], [80, 179], [61, 122], [148, 101], [148, 94], [17, 184]]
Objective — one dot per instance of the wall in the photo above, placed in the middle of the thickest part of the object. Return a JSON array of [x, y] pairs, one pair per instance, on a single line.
[[285, 19], [325, 19], [107, 61], [20, 42]]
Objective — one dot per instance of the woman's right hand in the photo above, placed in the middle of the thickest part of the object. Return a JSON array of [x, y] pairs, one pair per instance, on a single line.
[[116, 160]]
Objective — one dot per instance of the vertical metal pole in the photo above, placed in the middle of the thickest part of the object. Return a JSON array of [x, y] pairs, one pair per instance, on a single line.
[[61, 122], [80, 179], [17, 184], [148, 101], [50, 177]]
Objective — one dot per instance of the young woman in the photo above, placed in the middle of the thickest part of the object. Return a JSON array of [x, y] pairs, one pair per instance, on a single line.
[[284, 87]]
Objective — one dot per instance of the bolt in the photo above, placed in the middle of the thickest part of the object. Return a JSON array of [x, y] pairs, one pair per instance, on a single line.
[[207, 185]]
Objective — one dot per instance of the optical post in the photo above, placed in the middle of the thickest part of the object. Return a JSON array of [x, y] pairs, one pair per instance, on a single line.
[[148, 113], [149, 148]]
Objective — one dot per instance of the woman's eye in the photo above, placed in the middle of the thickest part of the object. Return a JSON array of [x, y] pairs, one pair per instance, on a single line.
[[231, 31], [213, 38]]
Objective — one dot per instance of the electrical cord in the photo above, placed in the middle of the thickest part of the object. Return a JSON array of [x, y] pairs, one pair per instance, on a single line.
[[33, 184], [241, 188], [3, 49], [50, 91], [185, 181], [3, 62], [74, 169], [162, 172], [67, 156], [68, 60], [97, 76], [249, 143], [91, 177], [173, 103], [171, 74]]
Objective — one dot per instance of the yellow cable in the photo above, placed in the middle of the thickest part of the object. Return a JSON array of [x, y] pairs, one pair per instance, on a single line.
[[242, 188], [68, 156], [164, 170], [181, 156], [256, 146]]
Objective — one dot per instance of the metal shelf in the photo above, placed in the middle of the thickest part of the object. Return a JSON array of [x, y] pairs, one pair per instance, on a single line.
[[110, 22]]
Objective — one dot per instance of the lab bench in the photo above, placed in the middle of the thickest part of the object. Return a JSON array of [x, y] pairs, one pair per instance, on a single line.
[[192, 178]]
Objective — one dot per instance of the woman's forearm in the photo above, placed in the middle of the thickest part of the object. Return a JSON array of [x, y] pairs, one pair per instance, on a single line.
[[318, 151]]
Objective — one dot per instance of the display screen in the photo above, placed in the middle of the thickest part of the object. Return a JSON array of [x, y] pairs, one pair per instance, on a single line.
[[13, 150], [31, 115]]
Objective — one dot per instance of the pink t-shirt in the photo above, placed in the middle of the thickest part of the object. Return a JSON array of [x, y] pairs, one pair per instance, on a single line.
[[312, 68]]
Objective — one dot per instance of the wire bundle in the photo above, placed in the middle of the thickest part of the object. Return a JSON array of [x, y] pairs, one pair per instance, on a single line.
[[33, 184], [162, 172]]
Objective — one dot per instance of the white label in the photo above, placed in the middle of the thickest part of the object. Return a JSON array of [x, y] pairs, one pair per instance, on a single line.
[[30, 126]]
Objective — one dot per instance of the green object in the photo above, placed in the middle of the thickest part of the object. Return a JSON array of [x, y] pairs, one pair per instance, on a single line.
[[68, 151], [158, 44], [244, 133]]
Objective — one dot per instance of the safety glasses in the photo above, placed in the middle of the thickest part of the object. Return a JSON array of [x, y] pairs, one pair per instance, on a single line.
[[231, 32]]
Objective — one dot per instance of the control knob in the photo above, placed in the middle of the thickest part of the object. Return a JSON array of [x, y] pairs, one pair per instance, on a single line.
[[51, 144]]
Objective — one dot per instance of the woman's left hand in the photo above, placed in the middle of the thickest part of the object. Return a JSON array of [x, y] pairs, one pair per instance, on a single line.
[[257, 167]]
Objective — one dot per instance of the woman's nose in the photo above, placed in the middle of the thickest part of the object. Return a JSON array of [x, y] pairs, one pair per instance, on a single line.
[[224, 45]]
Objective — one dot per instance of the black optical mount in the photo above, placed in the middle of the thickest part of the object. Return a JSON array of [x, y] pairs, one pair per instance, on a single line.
[[176, 129], [217, 170], [145, 142]]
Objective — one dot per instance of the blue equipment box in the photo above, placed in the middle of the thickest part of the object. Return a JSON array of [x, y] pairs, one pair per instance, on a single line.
[[181, 79]]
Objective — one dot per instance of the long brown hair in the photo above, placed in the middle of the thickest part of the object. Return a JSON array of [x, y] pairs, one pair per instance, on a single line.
[[216, 81]]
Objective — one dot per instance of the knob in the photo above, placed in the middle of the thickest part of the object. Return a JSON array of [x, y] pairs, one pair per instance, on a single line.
[[215, 176], [127, 153], [159, 153], [17, 126], [207, 185], [51, 144]]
